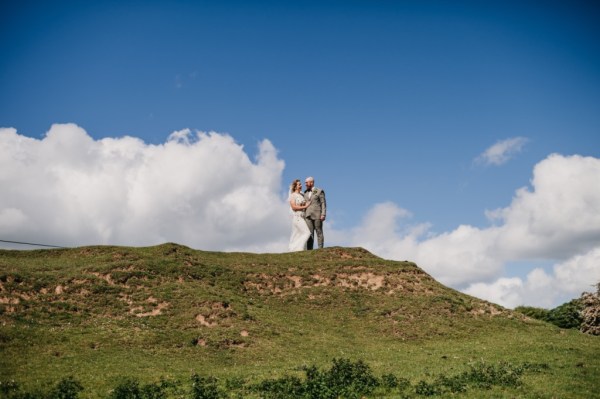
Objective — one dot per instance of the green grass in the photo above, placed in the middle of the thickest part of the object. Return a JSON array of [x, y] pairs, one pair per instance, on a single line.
[[104, 313]]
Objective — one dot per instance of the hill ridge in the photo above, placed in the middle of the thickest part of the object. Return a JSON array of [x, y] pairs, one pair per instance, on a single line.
[[101, 312], [137, 276]]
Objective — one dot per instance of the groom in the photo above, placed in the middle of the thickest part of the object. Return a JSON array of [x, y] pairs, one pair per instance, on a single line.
[[315, 213]]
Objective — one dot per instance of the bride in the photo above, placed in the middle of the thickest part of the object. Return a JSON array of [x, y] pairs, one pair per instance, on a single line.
[[300, 232]]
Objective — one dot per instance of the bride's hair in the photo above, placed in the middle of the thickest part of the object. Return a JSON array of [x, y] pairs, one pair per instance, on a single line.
[[293, 185]]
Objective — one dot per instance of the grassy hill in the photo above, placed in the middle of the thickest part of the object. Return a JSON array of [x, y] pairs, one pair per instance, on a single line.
[[101, 313]]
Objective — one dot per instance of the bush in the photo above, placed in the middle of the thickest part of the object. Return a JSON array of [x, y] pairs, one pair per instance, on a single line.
[[534, 313], [128, 389], [351, 380], [7, 388], [389, 381], [479, 376], [204, 387], [282, 388], [345, 379], [67, 388], [131, 389], [567, 315]]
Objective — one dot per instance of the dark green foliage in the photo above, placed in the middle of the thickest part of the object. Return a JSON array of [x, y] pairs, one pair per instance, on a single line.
[[67, 388], [345, 379], [426, 389], [204, 387], [8, 388], [533, 312], [128, 389], [389, 381], [282, 388], [479, 376], [131, 389], [567, 315]]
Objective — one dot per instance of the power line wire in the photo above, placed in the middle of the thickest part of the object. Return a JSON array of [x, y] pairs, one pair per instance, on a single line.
[[30, 243]]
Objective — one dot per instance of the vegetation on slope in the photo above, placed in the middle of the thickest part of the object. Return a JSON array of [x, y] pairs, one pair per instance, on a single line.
[[102, 313]]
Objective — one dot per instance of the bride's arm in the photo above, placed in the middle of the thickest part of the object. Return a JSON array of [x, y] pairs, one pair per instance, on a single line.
[[294, 206], [298, 207]]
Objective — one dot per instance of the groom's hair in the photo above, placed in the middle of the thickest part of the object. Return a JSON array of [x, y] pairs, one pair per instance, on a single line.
[[309, 178]]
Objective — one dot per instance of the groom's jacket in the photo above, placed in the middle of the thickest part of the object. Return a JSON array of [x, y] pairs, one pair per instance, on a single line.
[[318, 205]]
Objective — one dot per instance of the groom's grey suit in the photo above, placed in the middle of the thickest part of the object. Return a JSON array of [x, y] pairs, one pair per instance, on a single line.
[[314, 212]]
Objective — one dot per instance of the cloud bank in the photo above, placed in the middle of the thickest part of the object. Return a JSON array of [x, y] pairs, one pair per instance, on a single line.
[[198, 189], [203, 190], [556, 220]]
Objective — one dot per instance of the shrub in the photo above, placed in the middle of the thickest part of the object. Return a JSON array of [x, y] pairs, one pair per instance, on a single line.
[[426, 389], [389, 381], [345, 379], [567, 315], [204, 387], [67, 388], [351, 380], [131, 389], [128, 389], [8, 388], [534, 313], [282, 388], [479, 376]]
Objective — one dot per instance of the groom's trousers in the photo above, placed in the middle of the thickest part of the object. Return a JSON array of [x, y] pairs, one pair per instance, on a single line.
[[315, 226]]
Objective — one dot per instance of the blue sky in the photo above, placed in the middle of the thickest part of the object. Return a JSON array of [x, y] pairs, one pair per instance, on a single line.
[[386, 102]]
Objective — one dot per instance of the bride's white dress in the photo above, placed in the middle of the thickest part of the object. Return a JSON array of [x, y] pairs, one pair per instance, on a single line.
[[300, 231]]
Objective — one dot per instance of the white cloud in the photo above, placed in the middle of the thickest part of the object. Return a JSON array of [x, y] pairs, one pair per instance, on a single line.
[[453, 258], [505, 291], [560, 217], [200, 190], [568, 280], [579, 273], [502, 151], [557, 220]]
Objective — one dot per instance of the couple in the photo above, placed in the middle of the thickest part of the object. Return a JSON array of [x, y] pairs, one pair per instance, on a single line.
[[308, 211]]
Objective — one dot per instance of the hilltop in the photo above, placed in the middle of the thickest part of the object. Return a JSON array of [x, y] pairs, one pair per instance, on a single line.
[[103, 312]]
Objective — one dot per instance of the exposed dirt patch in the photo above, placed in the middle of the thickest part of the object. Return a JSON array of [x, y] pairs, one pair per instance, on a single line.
[[106, 277], [488, 309], [140, 310], [349, 253], [7, 301], [365, 280], [297, 280], [368, 281], [232, 343], [154, 312], [213, 314], [203, 320]]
